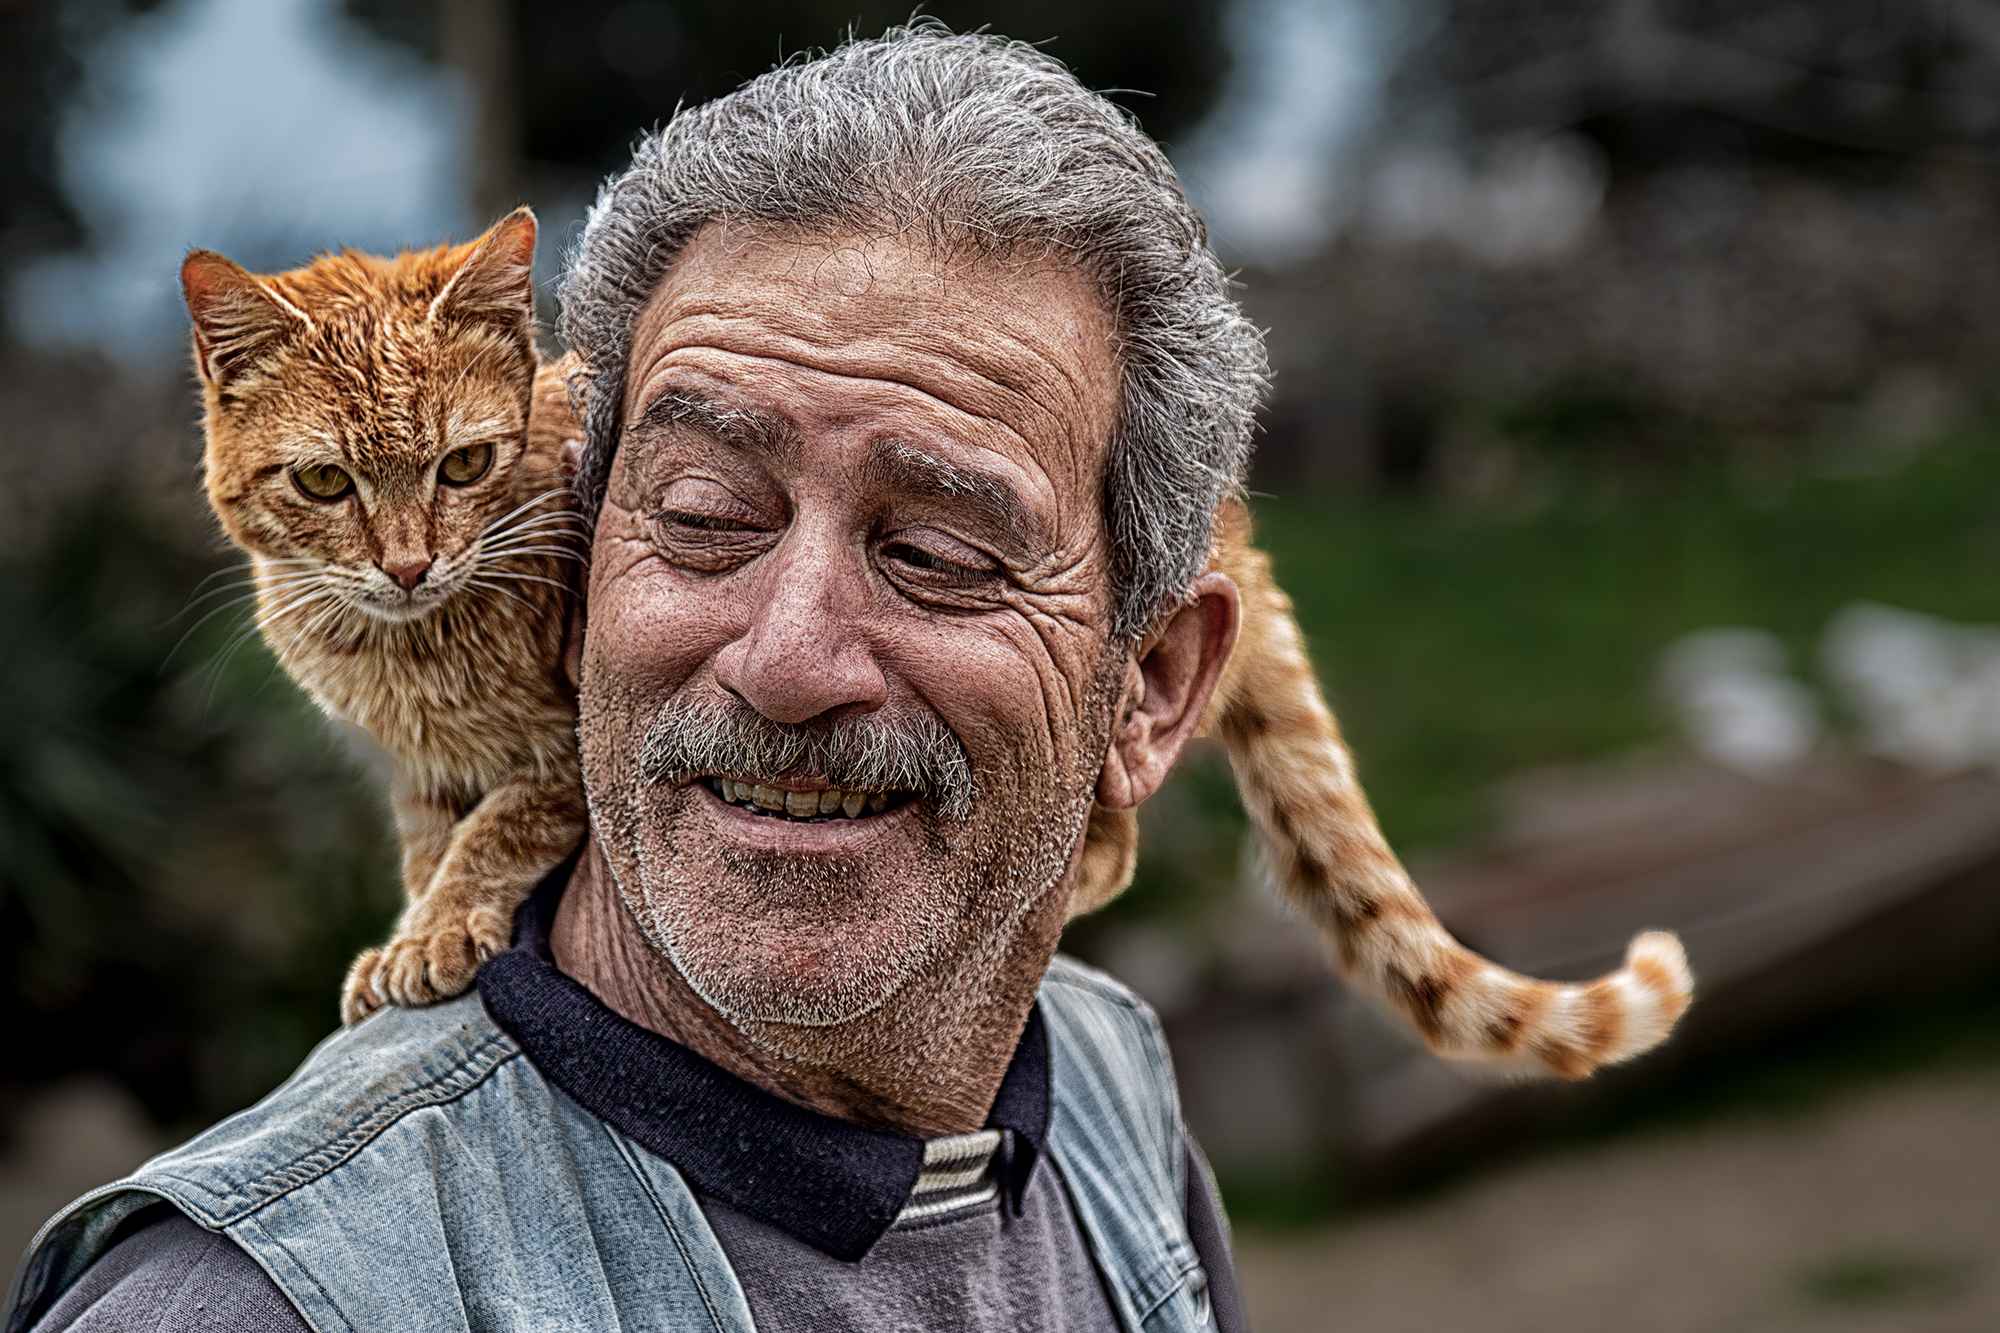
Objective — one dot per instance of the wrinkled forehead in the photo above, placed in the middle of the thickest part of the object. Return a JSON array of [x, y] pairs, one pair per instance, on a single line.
[[1020, 347]]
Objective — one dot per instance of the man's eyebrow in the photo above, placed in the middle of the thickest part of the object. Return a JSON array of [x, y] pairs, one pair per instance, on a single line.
[[901, 464], [757, 433]]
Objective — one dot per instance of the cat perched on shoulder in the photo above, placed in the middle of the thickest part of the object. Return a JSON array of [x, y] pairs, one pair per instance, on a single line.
[[369, 446], [384, 445]]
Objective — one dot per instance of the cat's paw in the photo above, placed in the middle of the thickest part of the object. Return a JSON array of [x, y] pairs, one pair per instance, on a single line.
[[358, 996], [422, 966]]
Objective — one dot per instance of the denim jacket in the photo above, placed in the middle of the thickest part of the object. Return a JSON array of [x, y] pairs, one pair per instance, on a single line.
[[417, 1172]]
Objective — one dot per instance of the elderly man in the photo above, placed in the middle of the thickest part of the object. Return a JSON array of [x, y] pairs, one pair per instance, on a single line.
[[915, 388]]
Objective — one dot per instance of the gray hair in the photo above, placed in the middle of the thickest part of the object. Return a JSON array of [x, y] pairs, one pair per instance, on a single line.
[[969, 141]]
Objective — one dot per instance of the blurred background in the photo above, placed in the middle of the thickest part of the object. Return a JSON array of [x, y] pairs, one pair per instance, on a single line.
[[1634, 461]]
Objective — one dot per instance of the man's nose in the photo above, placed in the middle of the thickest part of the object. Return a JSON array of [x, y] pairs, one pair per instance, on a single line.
[[805, 652]]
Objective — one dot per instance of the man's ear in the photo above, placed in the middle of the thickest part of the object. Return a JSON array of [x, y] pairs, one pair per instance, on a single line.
[[1168, 684]]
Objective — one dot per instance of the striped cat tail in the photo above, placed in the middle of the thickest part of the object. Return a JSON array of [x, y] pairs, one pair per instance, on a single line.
[[1298, 783]]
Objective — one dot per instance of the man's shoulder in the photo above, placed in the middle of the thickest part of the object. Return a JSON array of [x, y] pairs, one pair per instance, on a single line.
[[1115, 1131], [1072, 981], [351, 1093], [352, 1088], [1104, 1036]]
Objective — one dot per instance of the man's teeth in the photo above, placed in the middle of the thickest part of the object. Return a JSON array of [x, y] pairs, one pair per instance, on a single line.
[[802, 804]]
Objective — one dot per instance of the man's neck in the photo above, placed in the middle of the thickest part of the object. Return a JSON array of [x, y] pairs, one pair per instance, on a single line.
[[927, 1063]]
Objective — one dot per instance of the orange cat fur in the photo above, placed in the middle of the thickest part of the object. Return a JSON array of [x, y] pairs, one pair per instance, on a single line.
[[1298, 783], [369, 447]]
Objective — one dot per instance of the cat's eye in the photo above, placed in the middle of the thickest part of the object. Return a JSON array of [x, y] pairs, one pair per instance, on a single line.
[[462, 467], [323, 481]]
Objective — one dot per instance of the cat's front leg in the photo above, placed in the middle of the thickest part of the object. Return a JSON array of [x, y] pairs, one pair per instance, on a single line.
[[497, 854], [424, 825]]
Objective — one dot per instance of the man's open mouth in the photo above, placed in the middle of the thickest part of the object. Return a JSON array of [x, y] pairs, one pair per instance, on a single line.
[[806, 807]]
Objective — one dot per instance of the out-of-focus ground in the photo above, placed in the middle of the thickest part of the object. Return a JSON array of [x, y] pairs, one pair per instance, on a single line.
[[1877, 1211]]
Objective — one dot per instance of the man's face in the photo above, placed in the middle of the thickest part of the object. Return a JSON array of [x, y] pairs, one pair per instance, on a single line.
[[851, 563]]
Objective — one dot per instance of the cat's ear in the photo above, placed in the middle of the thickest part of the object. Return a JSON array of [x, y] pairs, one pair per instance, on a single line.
[[235, 315], [496, 283]]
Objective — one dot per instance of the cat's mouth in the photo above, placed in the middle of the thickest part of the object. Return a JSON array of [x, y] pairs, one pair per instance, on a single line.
[[393, 603], [805, 807]]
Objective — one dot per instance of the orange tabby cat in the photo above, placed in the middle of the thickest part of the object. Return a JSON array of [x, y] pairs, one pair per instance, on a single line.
[[465, 688], [368, 445]]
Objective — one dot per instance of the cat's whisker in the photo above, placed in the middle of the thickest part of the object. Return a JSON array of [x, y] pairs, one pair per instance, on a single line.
[[250, 567], [504, 592], [245, 568], [563, 536], [542, 525], [506, 552], [334, 607], [524, 578], [270, 623], [213, 612], [298, 602], [240, 599], [250, 572], [567, 540], [526, 505], [536, 542], [220, 662], [181, 642], [521, 555], [540, 496], [536, 511], [532, 532], [254, 583], [312, 627]]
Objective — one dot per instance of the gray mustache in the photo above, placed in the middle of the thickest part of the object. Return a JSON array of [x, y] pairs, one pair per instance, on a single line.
[[692, 738]]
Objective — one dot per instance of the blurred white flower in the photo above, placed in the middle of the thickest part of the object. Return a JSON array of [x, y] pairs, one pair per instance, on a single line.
[[1926, 691], [1736, 704]]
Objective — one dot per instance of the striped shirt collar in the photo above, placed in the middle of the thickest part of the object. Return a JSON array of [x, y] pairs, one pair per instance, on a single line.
[[834, 1185]]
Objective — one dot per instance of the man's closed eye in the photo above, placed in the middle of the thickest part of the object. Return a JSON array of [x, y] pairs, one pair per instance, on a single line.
[[923, 567], [705, 522]]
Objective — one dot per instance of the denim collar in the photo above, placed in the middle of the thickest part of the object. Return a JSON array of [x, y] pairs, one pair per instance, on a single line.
[[834, 1185]]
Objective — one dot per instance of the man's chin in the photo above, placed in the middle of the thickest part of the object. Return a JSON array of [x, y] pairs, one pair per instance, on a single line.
[[787, 992], [749, 972], [812, 942]]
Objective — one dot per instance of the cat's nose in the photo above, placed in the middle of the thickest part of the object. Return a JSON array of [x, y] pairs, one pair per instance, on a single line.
[[408, 571]]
